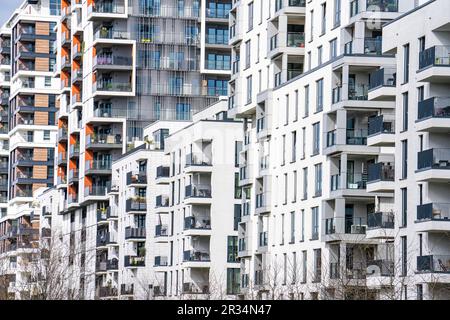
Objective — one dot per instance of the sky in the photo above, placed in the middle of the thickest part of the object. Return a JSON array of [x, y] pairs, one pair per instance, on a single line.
[[7, 7]]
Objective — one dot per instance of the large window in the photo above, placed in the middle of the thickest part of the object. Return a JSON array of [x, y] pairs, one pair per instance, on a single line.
[[250, 16], [315, 223], [319, 93], [232, 249], [218, 62], [404, 159], [233, 280], [249, 89], [318, 180], [316, 138], [406, 63], [404, 220]]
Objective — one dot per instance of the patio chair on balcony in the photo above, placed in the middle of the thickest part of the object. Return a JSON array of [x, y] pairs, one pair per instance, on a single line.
[[437, 213]]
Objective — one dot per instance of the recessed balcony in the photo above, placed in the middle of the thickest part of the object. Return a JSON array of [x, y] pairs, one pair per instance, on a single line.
[[116, 88], [98, 167], [101, 10], [433, 264], [198, 162], [197, 193], [196, 259], [73, 176], [162, 175], [135, 234], [433, 115], [433, 217], [112, 62], [161, 233], [104, 141], [197, 226], [352, 141], [138, 205], [263, 203], [434, 65], [134, 262], [433, 165], [137, 179], [345, 229]]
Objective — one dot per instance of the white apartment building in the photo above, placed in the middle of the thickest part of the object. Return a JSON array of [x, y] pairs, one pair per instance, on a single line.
[[318, 163], [422, 148]]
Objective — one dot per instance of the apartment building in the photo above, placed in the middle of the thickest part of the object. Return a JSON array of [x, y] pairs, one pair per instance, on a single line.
[[164, 234], [318, 162], [422, 149]]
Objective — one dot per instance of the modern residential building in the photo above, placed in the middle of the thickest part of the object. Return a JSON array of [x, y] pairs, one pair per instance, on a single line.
[[318, 162], [165, 235], [422, 150], [125, 64]]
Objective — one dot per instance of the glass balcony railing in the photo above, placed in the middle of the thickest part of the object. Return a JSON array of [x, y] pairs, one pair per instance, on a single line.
[[197, 223], [162, 201], [262, 200], [198, 191], [373, 46], [382, 78], [135, 233], [296, 39], [433, 159], [377, 220], [198, 159], [438, 107], [112, 60], [382, 5], [110, 33], [109, 7], [194, 255], [356, 136], [380, 172], [345, 225], [434, 56], [434, 263], [433, 211], [358, 92], [161, 230], [98, 165], [112, 86], [356, 181], [378, 126]]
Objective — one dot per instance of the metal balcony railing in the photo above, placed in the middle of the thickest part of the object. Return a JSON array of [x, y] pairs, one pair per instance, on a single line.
[[196, 223], [194, 255], [434, 263], [198, 191], [378, 126], [433, 159], [433, 211], [384, 220], [356, 225], [434, 56], [380, 172], [436, 107]]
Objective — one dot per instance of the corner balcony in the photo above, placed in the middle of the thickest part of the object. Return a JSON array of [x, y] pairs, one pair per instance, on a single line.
[[112, 62], [292, 44], [162, 204], [345, 229], [433, 165], [245, 175], [433, 115], [381, 133], [380, 273], [137, 180], [106, 10], [137, 206], [263, 241], [382, 85], [349, 185], [161, 233], [287, 7], [162, 175], [436, 266], [62, 134], [161, 261], [73, 176], [135, 234], [434, 65], [100, 267], [243, 248], [134, 262], [194, 226], [97, 167], [353, 141], [106, 34], [196, 259], [104, 141], [74, 151], [235, 33], [95, 193], [380, 225], [433, 217], [198, 162], [112, 88], [380, 178], [263, 203], [197, 194]]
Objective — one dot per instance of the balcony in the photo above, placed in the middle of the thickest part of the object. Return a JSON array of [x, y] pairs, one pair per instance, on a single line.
[[62, 134], [348, 185], [112, 264], [127, 289], [434, 65], [73, 176], [95, 191], [195, 258], [162, 201], [433, 217], [62, 158], [345, 229], [136, 206], [382, 5], [161, 261], [433, 115], [100, 266], [372, 46], [137, 234], [198, 162], [381, 133], [98, 167], [349, 141], [191, 288], [139, 179], [99, 10], [107, 88], [112, 62], [296, 39], [108, 33], [74, 150], [263, 203], [380, 225], [161, 230], [162, 175], [382, 84], [134, 261], [433, 165], [263, 239], [76, 52], [77, 78], [433, 264], [104, 141], [380, 178], [198, 191], [107, 292]]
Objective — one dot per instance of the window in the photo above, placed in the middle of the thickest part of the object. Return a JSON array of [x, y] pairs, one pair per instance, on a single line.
[[294, 196], [302, 230], [249, 89], [420, 93], [318, 180], [283, 151], [237, 216], [294, 146], [404, 159], [259, 81], [282, 229], [237, 189], [421, 44], [324, 17], [247, 54], [284, 269], [305, 183], [233, 280], [303, 142], [250, 16], [419, 291], [404, 192], [304, 265], [296, 106], [406, 63], [404, 256], [319, 55], [405, 111], [319, 95], [48, 81], [309, 60], [337, 13], [315, 223], [292, 227], [46, 135], [232, 249], [316, 138], [237, 151], [311, 30], [317, 265], [286, 111], [258, 45], [333, 48], [306, 101], [294, 267]]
